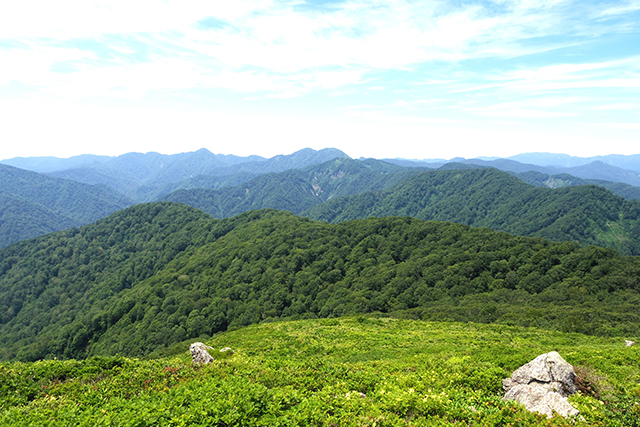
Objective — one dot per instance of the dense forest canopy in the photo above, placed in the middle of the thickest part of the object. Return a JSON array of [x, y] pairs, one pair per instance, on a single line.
[[155, 274], [494, 199], [295, 190]]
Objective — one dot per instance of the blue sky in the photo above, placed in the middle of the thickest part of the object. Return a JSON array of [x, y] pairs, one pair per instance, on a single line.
[[412, 79]]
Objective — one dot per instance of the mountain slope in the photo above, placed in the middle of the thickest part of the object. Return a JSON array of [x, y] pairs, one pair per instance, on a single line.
[[295, 190], [32, 204], [494, 199], [538, 179], [156, 274], [21, 219]]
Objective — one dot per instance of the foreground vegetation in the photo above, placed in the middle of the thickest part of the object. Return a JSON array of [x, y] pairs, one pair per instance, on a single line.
[[157, 274], [361, 371]]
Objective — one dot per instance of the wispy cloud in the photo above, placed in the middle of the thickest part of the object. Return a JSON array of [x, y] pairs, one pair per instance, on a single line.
[[403, 62], [272, 46]]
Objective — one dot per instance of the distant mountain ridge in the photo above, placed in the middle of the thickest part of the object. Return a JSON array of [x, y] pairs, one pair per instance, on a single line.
[[630, 162], [597, 169], [227, 185], [141, 176]]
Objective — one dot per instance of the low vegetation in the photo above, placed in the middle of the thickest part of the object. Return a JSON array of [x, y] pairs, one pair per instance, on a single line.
[[357, 371]]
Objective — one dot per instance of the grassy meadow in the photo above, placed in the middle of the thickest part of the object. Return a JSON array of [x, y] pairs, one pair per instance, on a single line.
[[354, 371]]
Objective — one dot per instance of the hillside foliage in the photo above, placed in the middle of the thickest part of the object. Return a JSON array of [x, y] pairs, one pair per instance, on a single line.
[[494, 199], [156, 274], [295, 190]]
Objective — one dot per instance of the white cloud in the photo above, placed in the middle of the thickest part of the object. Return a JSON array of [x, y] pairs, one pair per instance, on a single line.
[[275, 39], [440, 63], [622, 7], [618, 106]]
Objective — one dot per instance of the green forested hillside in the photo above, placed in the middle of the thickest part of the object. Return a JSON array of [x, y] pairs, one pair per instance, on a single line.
[[32, 204], [295, 190], [157, 274], [21, 219], [206, 181], [494, 199], [538, 179], [358, 371]]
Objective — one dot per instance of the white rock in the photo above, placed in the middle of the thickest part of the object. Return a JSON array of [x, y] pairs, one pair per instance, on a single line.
[[543, 385], [199, 353]]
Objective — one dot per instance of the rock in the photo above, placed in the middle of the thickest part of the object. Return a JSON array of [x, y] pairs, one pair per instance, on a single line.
[[543, 385], [629, 343], [227, 349], [199, 352]]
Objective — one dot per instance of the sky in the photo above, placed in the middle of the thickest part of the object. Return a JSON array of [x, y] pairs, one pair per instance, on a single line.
[[385, 79]]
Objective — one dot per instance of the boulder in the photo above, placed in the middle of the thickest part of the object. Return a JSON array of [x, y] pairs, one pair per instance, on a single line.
[[629, 343], [199, 353], [543, 385]]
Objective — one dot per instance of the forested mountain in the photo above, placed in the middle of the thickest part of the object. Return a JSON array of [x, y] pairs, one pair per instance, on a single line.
[[155, 274], [206, 181], [296, 190], [494, 199], [538, 179], [142, 177], [32, 204], [597, 170], [21, 219]]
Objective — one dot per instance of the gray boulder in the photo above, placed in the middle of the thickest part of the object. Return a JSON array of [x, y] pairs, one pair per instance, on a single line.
[[199, 353], [543, 385], [629, 343]]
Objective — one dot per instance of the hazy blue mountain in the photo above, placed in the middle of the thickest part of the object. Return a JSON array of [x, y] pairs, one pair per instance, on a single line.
[[295, 190], [507, 165], [53, 164], [492, 198], [33, 204], [603, 171], [631, 162], [143, 177], [298, 160]]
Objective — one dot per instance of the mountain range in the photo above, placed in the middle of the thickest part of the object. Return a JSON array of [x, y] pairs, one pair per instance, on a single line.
[[310, 182], [142, 177]]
